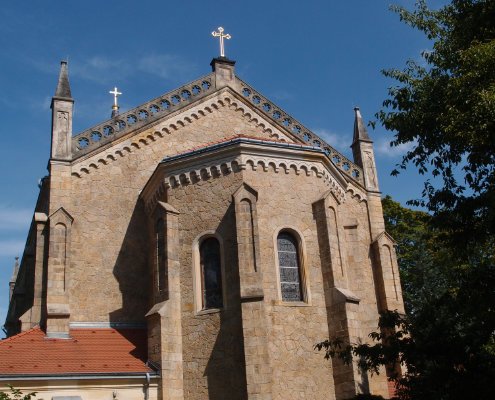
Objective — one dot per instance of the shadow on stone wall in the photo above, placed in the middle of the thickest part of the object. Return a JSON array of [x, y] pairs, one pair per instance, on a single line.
[[225, 371], [343, 375], [131, 270]]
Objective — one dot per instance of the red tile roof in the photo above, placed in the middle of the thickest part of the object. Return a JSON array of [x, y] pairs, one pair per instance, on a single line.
[[89, 351]]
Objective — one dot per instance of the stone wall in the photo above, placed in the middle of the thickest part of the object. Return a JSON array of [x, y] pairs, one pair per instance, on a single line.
[[213, 354], [212, 344], [285, 201], [108, 278]]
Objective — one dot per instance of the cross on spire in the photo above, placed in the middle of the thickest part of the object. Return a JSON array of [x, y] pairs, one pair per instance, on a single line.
[[115, 107], [222, 36]]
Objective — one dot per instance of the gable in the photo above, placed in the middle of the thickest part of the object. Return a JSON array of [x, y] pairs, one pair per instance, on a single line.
[[217, 117], [193, 101]]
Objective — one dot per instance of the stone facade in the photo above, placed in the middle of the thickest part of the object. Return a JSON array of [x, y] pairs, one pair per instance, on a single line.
[[223, 166]]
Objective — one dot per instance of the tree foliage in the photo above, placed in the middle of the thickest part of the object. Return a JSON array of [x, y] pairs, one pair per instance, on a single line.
[[16, 394], [444, 107], [446, 344]]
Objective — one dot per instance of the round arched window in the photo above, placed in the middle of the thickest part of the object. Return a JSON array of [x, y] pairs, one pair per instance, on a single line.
[[289, 266], [211, 273]]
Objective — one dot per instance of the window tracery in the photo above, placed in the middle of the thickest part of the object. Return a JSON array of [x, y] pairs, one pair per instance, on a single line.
[[289, 267]]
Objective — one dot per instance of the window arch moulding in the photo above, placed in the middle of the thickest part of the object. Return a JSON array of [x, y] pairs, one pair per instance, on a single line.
[[208, 273], [291, 268]]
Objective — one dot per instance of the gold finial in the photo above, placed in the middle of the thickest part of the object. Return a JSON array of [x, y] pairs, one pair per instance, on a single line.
[[115, 93], [222, 36]]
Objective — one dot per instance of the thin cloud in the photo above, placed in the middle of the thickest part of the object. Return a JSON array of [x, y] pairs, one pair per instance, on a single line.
[[100, 69], [104, 70], [13, 220], [340, 142], [11, 247], [165, 66], [39, 103], [383, 148], [282, 95]]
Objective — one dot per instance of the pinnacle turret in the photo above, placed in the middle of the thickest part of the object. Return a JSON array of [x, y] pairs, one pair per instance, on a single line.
[[62, 109], [63, 86], [13, 279], [360, 132], [15, 271], [362, 151]]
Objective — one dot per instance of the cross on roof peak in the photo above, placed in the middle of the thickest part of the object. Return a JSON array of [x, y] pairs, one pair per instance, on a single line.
[[221, 36]]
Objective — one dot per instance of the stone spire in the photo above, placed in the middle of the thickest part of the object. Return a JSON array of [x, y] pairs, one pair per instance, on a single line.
[[362, 151], [13, 278], [63, 86], [62, 109], [360, 132]]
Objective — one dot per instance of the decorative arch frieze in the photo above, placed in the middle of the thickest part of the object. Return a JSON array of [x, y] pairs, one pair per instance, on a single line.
[[225, 98], [138, 142], [244, 154]]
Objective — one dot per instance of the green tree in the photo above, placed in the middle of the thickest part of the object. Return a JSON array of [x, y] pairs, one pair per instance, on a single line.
[[445, 108], [410, 230], [445, 344], [16, 394]]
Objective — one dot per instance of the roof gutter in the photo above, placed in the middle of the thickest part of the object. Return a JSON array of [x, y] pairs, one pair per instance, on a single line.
[[22, 377]]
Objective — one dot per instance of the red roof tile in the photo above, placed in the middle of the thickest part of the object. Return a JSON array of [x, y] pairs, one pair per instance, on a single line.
[[89, 351]]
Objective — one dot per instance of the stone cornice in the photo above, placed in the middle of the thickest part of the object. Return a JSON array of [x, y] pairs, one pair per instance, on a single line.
[[239, 154], [168, 126], [252, 105]]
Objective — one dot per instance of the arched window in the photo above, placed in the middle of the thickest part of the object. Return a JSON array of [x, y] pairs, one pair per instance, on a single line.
[[290, 267], [161, 272], [211, 273]]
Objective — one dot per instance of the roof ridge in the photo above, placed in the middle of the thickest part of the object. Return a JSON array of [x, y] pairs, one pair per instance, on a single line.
[[19, 335]]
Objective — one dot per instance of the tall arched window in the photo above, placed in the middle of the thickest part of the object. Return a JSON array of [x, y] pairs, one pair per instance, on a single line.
[[211, 273], [290, 267], [161, 269]]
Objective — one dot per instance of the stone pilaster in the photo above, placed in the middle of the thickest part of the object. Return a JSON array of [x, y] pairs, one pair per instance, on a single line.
[[258, 370], [386, 273], [164, 318], [35, 315], [39, 268], [342, 305], [57, 301], [331, 230]]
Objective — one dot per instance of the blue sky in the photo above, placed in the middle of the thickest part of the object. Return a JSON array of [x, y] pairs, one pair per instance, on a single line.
[[317, 59]]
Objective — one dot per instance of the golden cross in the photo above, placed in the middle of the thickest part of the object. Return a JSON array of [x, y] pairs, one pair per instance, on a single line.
[[222, 36], [115, 94]]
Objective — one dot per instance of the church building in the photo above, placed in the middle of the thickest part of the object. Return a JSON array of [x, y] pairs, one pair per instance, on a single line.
[[197, 247]]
